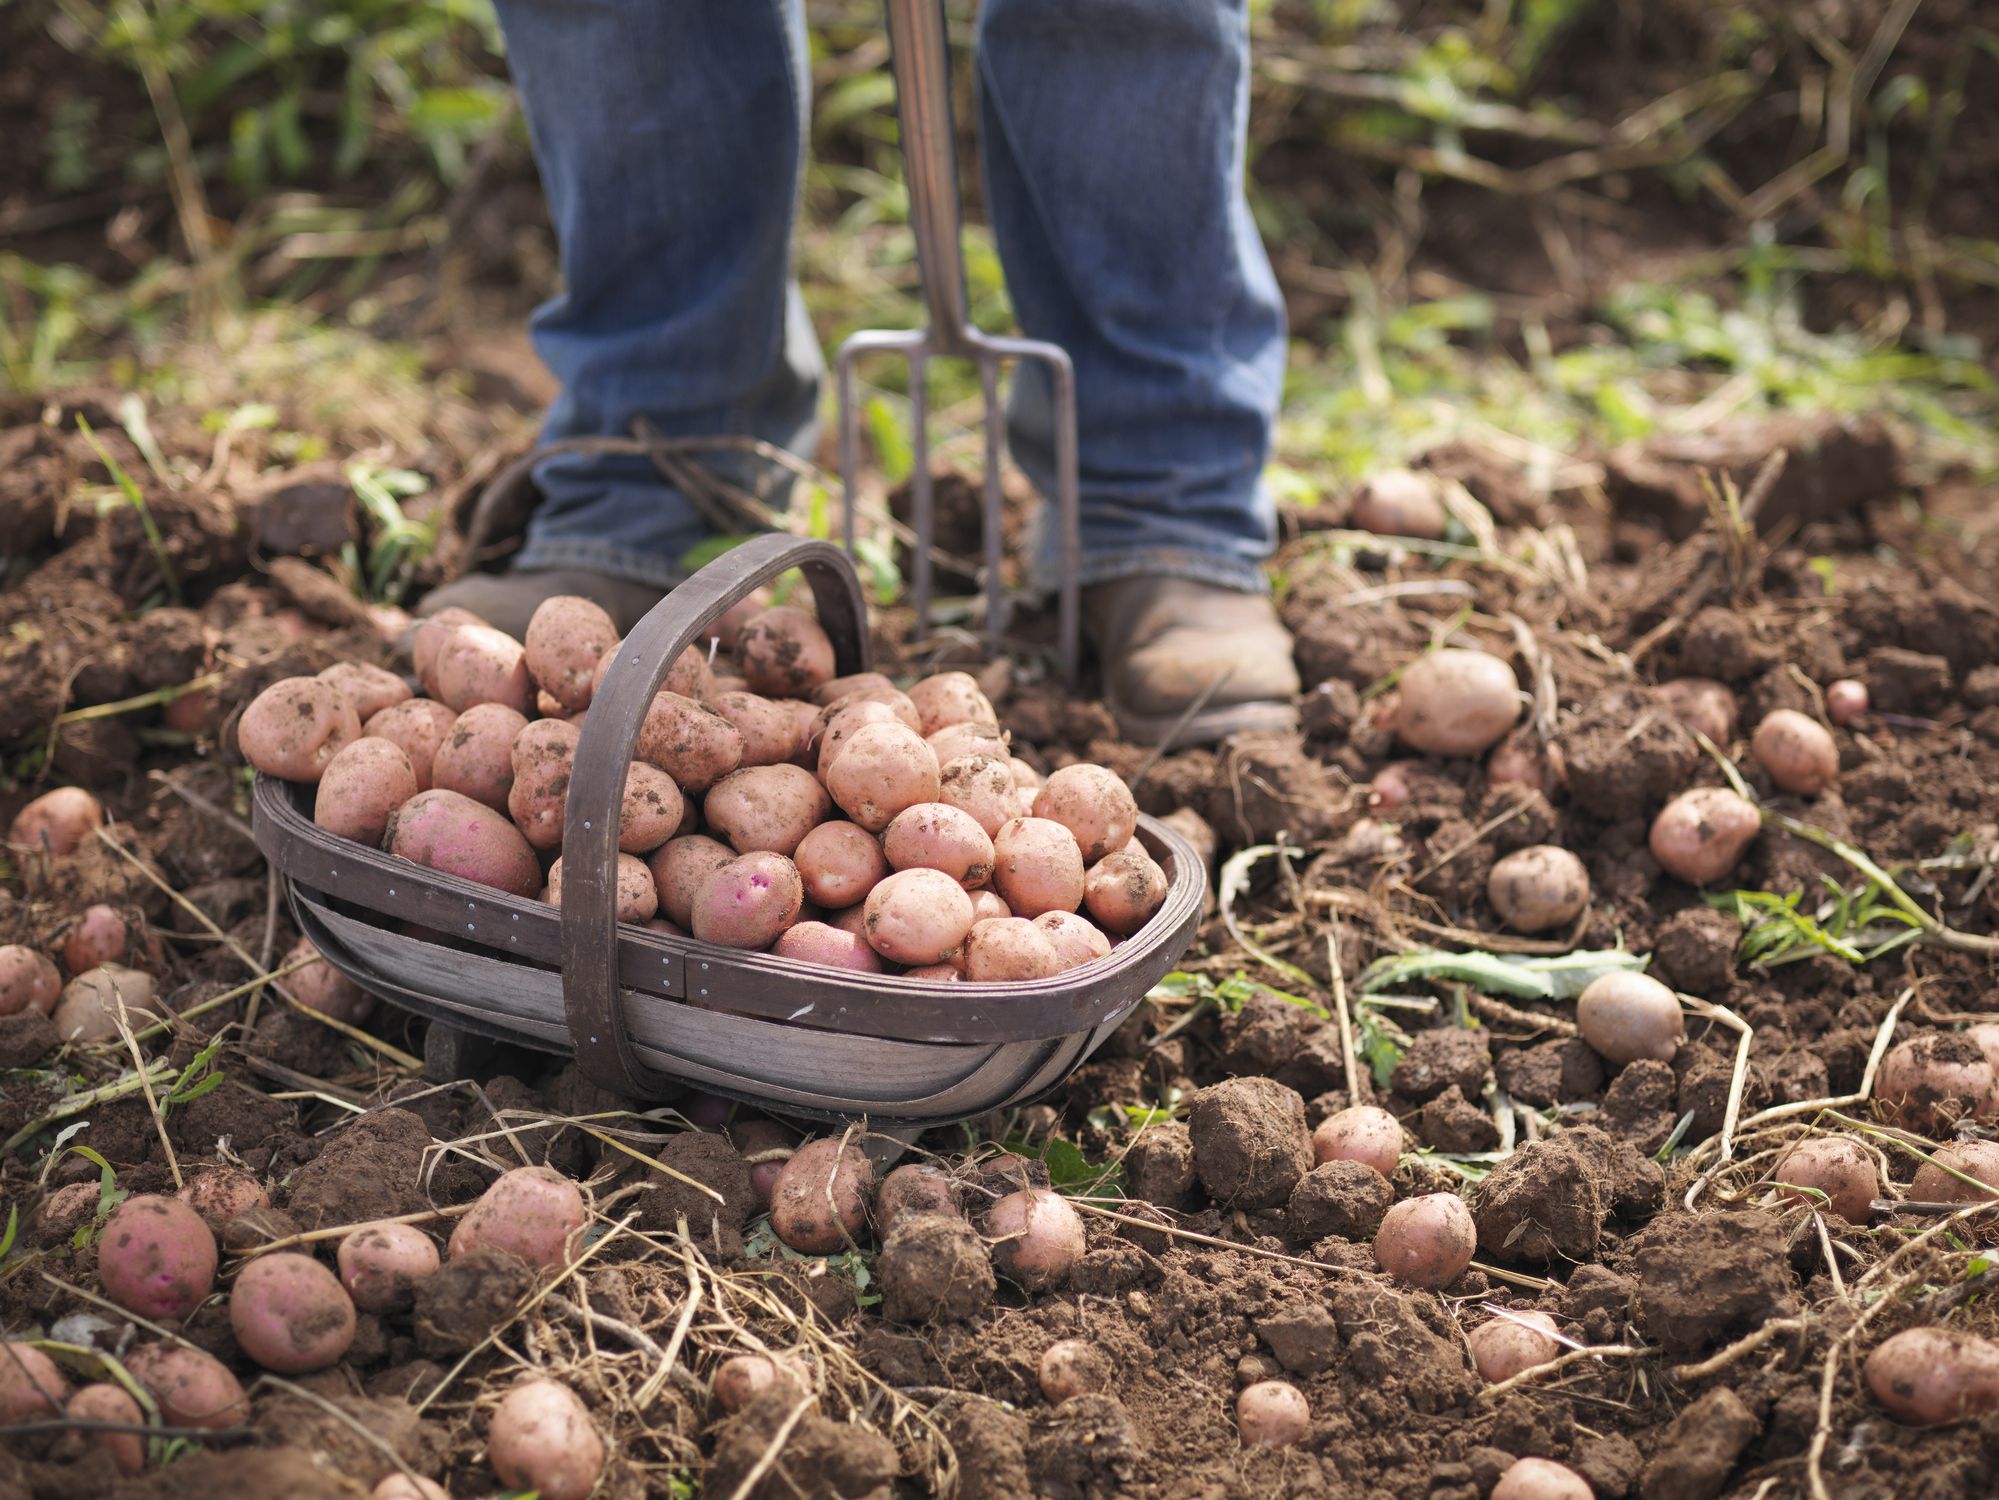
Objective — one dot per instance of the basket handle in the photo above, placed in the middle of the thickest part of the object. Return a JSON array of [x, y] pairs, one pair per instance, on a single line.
[[590, 992]]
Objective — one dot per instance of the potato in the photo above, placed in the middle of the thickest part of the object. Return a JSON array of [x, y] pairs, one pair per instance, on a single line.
[[937, 973], [848, 919], [1832, 1172], [1075, 941], [1036, 1238], [1797, 751], [766, 807], [635, 898], [477, 664], [651, 810], [840, 863], [818, 943], [742, 1378], [1541, 1479], [321, 987], [1390, 787], [1123, 889], [1538, 888], [533, 1213], [1093, 804], [820, 1201], [156, 1258], [688, 677], [882, 770], [476, 757], [1701, 703], [1846, 701], [1072, 1367], [885, 696], [192, 1389], [1455, 702], [784, 653], [951, 698], [104, 1402], [918, 917], [726, 630], [290, 1314], [31, 1387], [937, 836], [1037, 867], [219, 1194], [1024, 775], [367, 688], [1009, 949], [566, 638], [89, 1008], [1930, 1081], [692, 743], [99, 936], [403, 1487], [1627, 1016], [986, 903], [444, 831], [381, 1263], [1523, 759], [1399, 502], [1426, 1241], [541, 1439], [430, 635], [854, 682], [1701, 835], [769, 729], [954, 740], [914, 1188], [544, 755], [419, 727], [1364, 1133], [1928, 1376], [364, 783], [292, 729], [679, 867], [982, 787], [748, 902], [1974, 1158], [28, 981], [1272, 1414], [1507, 1346], [848, 718]]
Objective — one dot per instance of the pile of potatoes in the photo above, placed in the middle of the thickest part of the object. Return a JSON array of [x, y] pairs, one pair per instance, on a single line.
[[838, 821]]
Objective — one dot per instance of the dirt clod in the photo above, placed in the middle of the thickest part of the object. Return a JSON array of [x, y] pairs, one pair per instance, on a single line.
[[1699, 1447], [465, 1299], [934, 1268], [1250, 1141], [1160, 1165], [1346, 1198], [1709, 1277]]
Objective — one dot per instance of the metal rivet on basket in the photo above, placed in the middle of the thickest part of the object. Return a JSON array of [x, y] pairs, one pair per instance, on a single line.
[[586, 822], [392, 890]]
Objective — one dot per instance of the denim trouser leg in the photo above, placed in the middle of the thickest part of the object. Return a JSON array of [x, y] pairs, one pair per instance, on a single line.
[[670, 136], [1112, 133]]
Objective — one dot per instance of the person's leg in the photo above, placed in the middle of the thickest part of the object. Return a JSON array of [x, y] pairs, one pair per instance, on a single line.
[[670, 135], [1112, 134]]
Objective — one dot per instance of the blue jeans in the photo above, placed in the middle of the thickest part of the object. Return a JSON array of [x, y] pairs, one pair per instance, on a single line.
[[671, 136]]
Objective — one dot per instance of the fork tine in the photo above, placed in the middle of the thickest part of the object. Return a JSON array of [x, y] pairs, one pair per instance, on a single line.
[[919, 486], [994, 507], [850, 444]]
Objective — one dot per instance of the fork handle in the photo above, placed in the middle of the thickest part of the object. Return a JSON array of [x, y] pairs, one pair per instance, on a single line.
[[919, 50]]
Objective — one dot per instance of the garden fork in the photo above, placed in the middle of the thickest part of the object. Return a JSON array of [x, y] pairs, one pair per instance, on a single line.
[[921, 58]]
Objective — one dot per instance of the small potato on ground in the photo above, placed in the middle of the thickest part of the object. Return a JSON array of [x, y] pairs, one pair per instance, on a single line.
[[1928, 1376], [193, 1389], [1505, 1346], [57, 821], [1456, 702], [1036, 1237], [91, 1003], [913, 1188], [1846, 701], [1701, 835], [321, 987], [1538, 889], [1364, 1133], [32, 1388], [100, 936], [105, 1402], [533, 1213], [28, 981], [219, 1194], [1701, 703], [1975, 1159], [1272, 1414], [1072, 1367], [380, 1263], [1933, 1079], [1797, 751], [1830, 1171], [540, 1439], [1541, 1479], [742, 1378], [820, 1200], [1627, 1016], [290, 1314], [156, 1258], [1426, 1241]]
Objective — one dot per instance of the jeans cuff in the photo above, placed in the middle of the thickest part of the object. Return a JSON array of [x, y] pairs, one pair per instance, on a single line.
[[1160, 562], [548, 554]]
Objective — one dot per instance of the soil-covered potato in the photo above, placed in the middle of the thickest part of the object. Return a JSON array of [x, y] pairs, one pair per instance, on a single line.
[[838, 723], [956, 740], [1830, 1171], [1037, 867], [457, 836], [101, 936], [1456, 702], [532, 1213], [1797, 751], [784, 653], [817, 943], [1122, 890], [689, 741], [540, 1439], [983, 787], [107, 1403], [1072, 1367], [881, 771], [741, 1378], [293, 729], [367, 687], [219, 1194], [937, 836], [1928, 1376], [635, 898], [565, 640], [363, 785], [419, 727], [1505, 1346], [476, 759], [820, 1201], [28, 981], [1009, 950], [1538, 888], [31, 1387], [56, 822], [1701, 835], [747, 902], [918, 917], [948, 698], [192, 1388], [1250, 1142], [914, 1188], [1701, 703], [1095, 806], [92, 1003], [1036, 1237], [766, 807], [381, 1263], [1930, 1081], [1075, 940], [679, 866], [156, 1257], [544, 755], [290, 1314], [651, 811], [1400, 502], [769, 728], [477, 664], [840, 863], [429, 637], [1942, 1179], [1625, 1017], [1272, 1414], [1365, 1133]]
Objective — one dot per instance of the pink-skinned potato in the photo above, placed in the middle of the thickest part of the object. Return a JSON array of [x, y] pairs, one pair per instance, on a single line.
[[1036, 1237], [937, 836], [679, 866], [478, 664], [1122, 890], [840, 863], [820, 1201], [219, 1194], [836, 726], [768, 808], [1426, 1241], [1704, 704], [1797, 751], [1700, 836], [955, 740], [364, 783], [1456, 702], [32, 1388], [1931, 1080], [294, 728], [399, 1486], [90, 1007], [1009, 950], [882, 696], [566, 638], [1938, 1180], [419, 726], [1272, 1414], [784, 653], [540, 1439], [380, 1264], [651, 811], [429, 636], [1625, 1017], [453, 834], [1075, 939], [918, 917], [290, 1314], [56, 822], [689, 741], [748, 901], [883, 770], [192, 1388], [104, 1402], [1365, 1133], [949, 698], [742, 1378], [830, 947], [1928, 1376], [476, 758], [1509, 1346], [983, 787], [636, 898], [156, 1258], [834, 690], [1532, 1478], [1093, 804], [768, 727], [532, 1213], [1400, 502], [101, 936], [543, 756], [1037, 867], [369, 688], [987, 903], [321, 987], [28, 981], [1831, 1171]]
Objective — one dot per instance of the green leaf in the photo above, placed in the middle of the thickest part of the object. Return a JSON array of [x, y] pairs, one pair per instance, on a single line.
[[890, 434], [707, 550]]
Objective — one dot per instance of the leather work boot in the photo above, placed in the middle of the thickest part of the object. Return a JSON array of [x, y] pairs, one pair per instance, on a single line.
[[1167, 645], [507, 601]]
